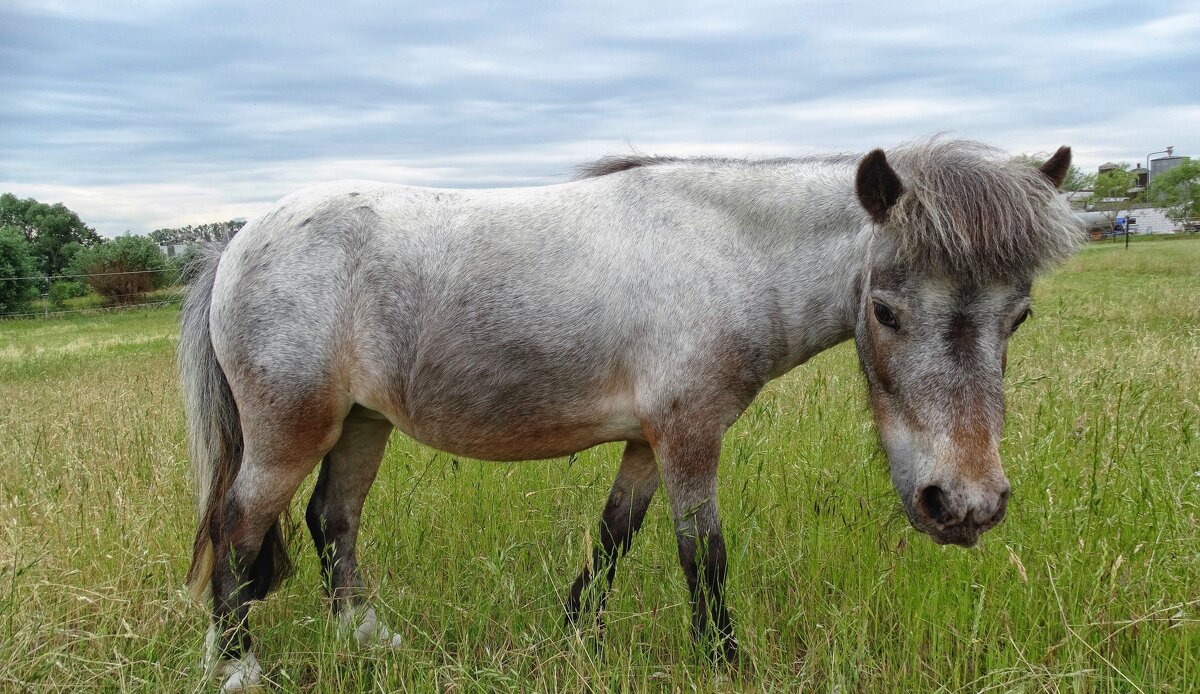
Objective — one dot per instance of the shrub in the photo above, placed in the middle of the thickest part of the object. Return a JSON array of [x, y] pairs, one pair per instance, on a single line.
[[62, 290], [16, 263], [121, 269]]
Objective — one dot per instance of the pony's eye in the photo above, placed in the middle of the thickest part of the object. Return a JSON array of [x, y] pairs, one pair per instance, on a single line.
[[884, 315], [1028, 312]]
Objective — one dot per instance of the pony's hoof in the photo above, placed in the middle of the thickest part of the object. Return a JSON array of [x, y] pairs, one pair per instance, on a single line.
[[241, 675], [368, 630]]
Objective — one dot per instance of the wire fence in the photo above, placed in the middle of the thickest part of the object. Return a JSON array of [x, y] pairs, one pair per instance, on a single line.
[[55, 278], [92, 309], [115, 302]]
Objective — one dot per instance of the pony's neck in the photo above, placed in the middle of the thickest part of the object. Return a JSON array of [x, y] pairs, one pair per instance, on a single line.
[[819, 281], [811, 237]]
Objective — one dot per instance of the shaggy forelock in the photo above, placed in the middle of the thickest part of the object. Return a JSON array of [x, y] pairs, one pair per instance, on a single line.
[[967, 208]]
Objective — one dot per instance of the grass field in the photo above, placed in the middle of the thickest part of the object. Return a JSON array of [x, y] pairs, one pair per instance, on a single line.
[[1092, 584]]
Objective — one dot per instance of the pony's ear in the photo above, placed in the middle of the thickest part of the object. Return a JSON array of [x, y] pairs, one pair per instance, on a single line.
[[877, 185], [1057, 166]]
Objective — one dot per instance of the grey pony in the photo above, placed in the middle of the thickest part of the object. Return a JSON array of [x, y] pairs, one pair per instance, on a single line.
[[648, 302]]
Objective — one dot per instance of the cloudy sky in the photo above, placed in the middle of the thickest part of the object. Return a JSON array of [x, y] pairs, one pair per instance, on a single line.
[[155, 113]]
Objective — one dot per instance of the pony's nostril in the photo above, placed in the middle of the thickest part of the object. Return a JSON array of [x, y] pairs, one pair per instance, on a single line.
[[1003, 505], [933, 502]]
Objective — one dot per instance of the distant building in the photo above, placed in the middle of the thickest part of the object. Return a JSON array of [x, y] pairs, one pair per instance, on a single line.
[[1147, 219], [1140, 218], [1164, 164], [173, 250], [1100, 216], [1141, 179]]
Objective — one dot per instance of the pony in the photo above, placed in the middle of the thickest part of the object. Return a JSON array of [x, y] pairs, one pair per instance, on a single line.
[[647, 301]]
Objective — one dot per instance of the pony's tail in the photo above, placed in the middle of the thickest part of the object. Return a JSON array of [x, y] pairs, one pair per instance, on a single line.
[[215, 436]]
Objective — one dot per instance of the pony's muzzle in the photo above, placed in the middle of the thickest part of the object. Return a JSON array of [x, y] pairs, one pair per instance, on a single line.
[[959, 514]]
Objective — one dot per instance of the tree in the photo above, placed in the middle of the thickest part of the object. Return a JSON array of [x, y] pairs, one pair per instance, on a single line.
[[16, 269], [47, 228], [213, 231], [1115, 183], [1178, 190], [1078, 180], [121, 269]]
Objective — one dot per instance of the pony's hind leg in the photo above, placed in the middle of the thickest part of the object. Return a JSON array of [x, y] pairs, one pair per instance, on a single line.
[[624, 512], [333, 517], [278, 454]]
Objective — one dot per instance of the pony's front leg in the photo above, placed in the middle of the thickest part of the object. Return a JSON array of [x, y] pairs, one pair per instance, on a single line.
[[689, 466], [631, 493]]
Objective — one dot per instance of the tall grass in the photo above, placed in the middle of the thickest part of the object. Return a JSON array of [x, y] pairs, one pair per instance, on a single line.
[[1091, 584]]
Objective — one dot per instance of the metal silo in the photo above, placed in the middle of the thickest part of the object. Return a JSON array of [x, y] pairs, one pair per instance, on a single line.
[[1164, 164]]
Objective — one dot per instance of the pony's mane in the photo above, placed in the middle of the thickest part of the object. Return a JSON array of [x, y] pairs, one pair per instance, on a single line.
[[966, 207], [617, 163]]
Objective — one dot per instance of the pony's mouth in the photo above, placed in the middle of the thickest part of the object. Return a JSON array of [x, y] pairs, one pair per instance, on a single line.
[[963, 534], [955, 536]]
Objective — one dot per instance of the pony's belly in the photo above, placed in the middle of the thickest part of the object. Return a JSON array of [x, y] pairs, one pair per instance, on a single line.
[[525, 449], [519, 438], [513, 399]]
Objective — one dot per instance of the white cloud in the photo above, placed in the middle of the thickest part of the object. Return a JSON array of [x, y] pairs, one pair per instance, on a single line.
[[899, 110], [109, 11], [147, 114]]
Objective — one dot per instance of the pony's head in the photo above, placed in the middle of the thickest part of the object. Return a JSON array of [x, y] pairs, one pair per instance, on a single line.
[[958, 235]]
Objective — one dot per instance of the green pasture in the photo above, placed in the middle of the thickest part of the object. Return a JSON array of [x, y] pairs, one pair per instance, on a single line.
[[1092, 584]]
